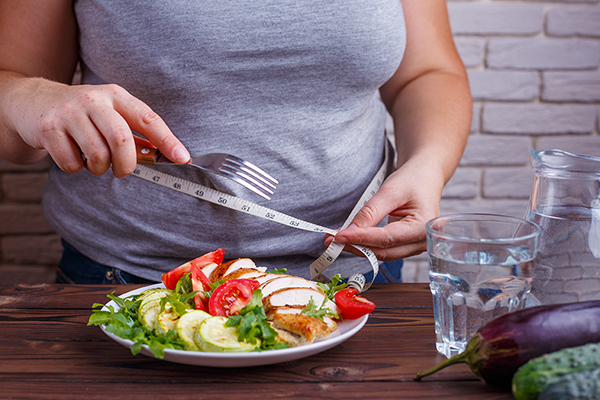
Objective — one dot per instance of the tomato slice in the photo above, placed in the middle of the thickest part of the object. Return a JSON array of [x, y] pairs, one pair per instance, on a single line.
[[200, 283], [230, 297], [171, 278], [352, 305]]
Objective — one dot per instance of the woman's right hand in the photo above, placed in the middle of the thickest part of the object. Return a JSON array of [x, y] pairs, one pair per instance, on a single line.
[[80, 126], [86, 126]]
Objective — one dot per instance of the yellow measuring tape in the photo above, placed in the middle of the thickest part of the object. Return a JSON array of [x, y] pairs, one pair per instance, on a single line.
[[317, 268]]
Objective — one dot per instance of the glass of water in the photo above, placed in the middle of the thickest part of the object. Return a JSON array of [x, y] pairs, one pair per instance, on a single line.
[[480, 266]]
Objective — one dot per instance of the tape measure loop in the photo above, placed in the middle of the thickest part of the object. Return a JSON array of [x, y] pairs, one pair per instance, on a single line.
[[223, 199]]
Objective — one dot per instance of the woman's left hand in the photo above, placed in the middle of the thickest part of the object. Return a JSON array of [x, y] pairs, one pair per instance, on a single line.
[[430, 103], [411, 197]]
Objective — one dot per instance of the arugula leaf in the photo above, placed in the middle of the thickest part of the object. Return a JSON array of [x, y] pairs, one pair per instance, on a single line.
[[177, 303], [253, 327], [335, 286], [184, 284], [311, 310], [213, 286], [125, 324], [251, 322]]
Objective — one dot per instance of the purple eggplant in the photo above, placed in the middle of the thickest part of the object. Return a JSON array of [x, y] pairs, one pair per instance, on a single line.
[[505, 343]]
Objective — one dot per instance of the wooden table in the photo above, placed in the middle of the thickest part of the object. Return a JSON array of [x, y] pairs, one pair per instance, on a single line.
[[47, 351]]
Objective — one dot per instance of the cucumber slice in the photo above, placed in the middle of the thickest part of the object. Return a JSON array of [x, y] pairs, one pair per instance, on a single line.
[[187, 325], [212, 335], [153, 291], [149, 314], [166, 320], [150, 301]]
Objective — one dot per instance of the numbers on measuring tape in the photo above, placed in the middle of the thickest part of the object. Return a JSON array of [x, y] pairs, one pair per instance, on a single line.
[[368, 252], [320, 264]]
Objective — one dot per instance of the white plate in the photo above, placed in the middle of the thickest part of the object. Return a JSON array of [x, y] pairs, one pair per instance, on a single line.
[[344, 331]]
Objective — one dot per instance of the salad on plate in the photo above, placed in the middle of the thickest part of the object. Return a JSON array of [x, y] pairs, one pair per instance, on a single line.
[[207, 305]]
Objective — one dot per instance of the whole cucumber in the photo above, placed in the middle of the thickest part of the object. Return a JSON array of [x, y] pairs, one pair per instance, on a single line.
[[583, 385], [540, 372], [505, 343]]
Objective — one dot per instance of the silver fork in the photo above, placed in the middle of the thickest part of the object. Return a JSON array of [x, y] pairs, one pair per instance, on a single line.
[[238, 170]]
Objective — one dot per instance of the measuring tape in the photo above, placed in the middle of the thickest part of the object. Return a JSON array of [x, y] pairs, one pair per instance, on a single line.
[[317, 268]]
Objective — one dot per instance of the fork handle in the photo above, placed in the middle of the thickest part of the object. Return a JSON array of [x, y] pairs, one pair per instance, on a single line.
[[146, 155]]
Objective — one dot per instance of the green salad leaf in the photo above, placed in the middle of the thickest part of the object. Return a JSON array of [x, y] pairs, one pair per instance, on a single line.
[[280, 271], [336, 285], [213, 286], [312, 310], [125, 324], [252, 325]]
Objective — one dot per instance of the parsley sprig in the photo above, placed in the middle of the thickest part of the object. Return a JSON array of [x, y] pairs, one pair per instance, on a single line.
[[311, 310], [336, 285]]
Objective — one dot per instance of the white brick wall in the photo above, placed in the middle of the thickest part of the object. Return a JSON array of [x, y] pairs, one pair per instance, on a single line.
[[534, 70]]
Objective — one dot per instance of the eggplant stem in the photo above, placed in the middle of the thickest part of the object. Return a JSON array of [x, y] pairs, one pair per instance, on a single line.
[[470, 356], [457, 359]]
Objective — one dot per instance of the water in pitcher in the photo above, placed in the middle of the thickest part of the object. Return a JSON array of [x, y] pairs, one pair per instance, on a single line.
[[470, 291], [565, 203], [568, 263]]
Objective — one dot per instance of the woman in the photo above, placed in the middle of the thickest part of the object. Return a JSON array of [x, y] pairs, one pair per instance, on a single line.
[[298, 88]]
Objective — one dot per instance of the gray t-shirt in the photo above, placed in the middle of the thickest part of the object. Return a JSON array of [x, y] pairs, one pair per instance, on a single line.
[[290, 85]]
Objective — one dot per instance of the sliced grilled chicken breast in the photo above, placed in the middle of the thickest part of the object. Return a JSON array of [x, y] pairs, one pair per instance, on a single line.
[[267, 277], [298, 297], [284, 298], [208, 269], [285, 281], [245, 273], [298, 329], [230, 266]]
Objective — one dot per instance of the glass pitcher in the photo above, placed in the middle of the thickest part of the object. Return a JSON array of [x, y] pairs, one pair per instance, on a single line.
[[565, 202]]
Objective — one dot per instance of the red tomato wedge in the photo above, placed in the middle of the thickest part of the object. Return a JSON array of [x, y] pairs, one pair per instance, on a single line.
[[200, 283], [352, 305], [171, 278], [230, 297]]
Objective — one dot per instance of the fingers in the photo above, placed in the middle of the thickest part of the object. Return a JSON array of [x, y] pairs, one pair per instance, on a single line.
[[115, 145], [396, 240], [64, 152], [407, 209], [143, 120], [91, 127], [373, 212]]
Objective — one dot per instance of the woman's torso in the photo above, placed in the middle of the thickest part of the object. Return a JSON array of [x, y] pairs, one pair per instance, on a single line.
[[288, 85]]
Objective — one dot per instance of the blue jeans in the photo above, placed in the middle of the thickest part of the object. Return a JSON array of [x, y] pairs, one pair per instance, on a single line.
[[74, 267], [389, 272]]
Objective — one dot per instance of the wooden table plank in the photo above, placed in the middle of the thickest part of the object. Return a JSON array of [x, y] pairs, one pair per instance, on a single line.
[[414, 295], [49, 343], [458, 390], [47, 351]]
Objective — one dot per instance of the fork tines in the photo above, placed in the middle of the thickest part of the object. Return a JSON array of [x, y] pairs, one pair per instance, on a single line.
[[235, 167]]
